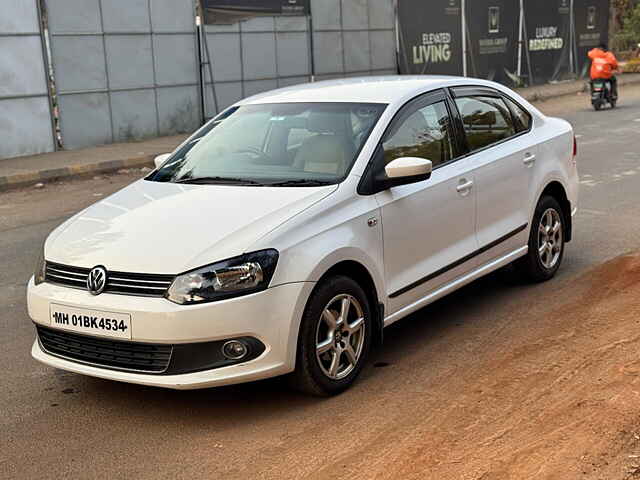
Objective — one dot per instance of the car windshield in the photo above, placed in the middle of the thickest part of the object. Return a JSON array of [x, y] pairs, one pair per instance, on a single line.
[[285, 144]]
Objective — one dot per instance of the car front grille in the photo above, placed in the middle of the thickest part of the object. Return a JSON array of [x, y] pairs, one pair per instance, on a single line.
[[140, 284], [120, 355]]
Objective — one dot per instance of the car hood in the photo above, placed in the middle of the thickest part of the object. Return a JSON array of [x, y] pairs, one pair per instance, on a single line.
[[168, 228]]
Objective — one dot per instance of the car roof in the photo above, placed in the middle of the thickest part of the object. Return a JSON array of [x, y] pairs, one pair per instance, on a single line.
[[382, 89], [394, 90]]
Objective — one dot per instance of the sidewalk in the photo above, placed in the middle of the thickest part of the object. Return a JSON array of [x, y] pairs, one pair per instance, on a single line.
[[22, 171]]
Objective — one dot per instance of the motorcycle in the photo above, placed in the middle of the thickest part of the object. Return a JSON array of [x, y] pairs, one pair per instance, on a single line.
[[601, 94]]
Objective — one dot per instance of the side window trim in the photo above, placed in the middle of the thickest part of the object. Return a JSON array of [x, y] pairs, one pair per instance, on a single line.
[[413, 105], [510, 101], [471, 91]]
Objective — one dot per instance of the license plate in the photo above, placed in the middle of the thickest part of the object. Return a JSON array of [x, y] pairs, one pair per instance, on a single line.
[[91, 322]]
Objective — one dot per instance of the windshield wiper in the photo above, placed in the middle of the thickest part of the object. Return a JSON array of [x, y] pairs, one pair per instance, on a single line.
[[302, 182], [220, 180]]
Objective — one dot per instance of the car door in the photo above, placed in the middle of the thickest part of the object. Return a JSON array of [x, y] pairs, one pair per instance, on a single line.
[[428, 227], [503, 156]]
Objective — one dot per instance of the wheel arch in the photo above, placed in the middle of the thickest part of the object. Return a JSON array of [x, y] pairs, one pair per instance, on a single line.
[[358, 272], [556, 190]]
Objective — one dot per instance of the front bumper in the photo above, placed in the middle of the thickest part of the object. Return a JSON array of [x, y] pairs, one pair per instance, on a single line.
[[271, 316]]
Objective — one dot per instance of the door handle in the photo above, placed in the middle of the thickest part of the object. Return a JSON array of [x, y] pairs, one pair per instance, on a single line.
[[529, 159], [464, 187]]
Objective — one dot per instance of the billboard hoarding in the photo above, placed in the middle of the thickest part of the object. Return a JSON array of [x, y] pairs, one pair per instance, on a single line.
[[591, 19], [548, 37], [493, 39], [430, 37]]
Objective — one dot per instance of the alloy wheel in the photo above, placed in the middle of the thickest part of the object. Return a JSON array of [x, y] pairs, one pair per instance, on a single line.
[[340, 336], [550, 238]]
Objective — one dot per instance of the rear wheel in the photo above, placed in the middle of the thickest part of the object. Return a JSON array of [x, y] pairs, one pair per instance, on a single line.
[[335, 338], [546, 242], [597, 104]]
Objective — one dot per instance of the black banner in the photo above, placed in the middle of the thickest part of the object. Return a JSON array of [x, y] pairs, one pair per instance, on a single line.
[[548, 39], [233, 11], [492, 39], [591, 19], [430, 37]]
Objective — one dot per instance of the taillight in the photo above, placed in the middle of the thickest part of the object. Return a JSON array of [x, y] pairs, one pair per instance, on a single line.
[[575, 147]]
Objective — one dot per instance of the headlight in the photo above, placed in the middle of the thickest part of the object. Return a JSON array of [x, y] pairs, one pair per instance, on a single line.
[[38, 274], [230, 278]]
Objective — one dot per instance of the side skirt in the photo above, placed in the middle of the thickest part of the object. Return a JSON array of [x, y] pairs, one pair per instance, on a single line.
[[456, 284]]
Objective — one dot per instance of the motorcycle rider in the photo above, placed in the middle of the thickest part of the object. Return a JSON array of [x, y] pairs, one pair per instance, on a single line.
[[603, 65]]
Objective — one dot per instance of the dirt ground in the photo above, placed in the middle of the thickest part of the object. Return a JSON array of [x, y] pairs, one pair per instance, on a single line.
[[563, 407]]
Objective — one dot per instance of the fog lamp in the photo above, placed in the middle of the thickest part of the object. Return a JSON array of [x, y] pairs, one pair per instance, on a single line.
[[234, 350]]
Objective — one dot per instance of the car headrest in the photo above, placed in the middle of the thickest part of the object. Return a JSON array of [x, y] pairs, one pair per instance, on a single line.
[[326, 122]]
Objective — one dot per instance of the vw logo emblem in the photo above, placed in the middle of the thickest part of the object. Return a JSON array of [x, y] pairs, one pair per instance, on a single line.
[[97, 280]]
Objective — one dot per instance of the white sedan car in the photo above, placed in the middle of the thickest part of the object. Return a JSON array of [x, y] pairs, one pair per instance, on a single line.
[[286, 233]]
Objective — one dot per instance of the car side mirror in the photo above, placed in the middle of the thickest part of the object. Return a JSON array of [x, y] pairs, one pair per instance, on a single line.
[[160, 159], [405, 170]]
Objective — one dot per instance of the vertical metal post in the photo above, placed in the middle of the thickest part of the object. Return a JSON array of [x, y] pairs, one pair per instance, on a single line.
[[201, 77], [526, 50], [48, 71], [396, 23], [203, 32], [464, 38], [312, 63], [106, 71], [520, 38], [153, 65], [571, 38]]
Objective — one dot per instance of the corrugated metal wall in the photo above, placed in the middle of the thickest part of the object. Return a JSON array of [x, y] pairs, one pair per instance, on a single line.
[[25, 117], [131, 69], [124, 69]]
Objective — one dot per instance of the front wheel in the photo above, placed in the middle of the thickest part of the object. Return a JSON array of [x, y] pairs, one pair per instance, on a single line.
[[334, 339], [546, 242]]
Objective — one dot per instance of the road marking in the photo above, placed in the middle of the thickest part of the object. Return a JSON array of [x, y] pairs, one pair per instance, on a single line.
[[579, 136]]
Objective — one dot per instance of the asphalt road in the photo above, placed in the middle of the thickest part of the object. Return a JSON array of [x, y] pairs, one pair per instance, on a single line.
[[425, 386]]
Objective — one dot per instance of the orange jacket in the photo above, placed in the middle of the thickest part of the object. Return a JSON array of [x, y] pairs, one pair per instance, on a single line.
[[602, 63]]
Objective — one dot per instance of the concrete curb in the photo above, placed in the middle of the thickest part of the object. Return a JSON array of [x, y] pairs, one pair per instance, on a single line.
[[18, 180]]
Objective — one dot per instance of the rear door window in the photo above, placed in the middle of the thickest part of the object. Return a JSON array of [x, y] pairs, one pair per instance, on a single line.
[[486, 120]]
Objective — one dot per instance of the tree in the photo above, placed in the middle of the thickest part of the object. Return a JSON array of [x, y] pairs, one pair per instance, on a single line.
[[627, 36]]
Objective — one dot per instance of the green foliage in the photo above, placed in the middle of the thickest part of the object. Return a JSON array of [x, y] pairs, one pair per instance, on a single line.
[[628, 37], [631, 25]]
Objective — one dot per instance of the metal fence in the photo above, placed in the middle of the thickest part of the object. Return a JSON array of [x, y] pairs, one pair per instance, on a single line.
[[350, 37], [127, 70], [353, 37], [25, 111], [124, 69], [254, 56]]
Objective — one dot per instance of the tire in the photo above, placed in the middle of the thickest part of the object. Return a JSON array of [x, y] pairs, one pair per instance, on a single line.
[[597, 105], [316, 373], [540, 266], [613, 103]]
